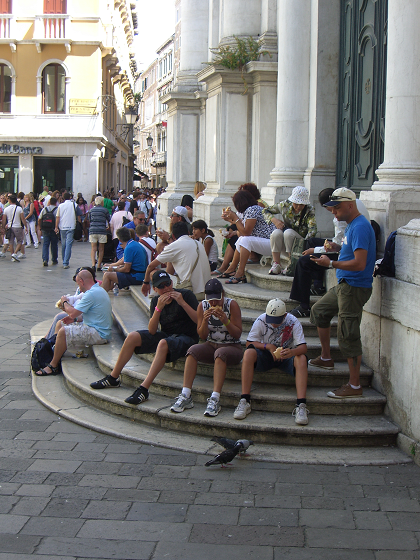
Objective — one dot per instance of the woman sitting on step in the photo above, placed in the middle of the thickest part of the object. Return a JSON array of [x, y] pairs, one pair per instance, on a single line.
[[254, 234], [219, 323]]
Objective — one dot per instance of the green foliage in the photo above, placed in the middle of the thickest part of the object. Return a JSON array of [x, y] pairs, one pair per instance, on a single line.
[[413, 450], [236, 57]]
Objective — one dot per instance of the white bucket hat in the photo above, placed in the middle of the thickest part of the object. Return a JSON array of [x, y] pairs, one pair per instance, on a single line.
[[300, 195]]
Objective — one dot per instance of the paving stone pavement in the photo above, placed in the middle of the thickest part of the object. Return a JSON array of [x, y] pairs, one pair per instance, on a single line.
[[70, 493]]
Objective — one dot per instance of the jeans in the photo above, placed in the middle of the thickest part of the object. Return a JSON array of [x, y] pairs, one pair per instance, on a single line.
[[66, 243], [49, 237]]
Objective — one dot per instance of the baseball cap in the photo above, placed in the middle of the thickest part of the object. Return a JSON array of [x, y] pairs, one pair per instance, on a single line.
[[341, 195], [213, 289], [181, 211], [159, 278], [275, 310]]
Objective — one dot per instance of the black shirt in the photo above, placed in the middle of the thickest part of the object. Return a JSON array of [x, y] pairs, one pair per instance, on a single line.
[[173, 318]]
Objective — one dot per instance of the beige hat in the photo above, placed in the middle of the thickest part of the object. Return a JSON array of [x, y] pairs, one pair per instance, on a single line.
[[341, 195]]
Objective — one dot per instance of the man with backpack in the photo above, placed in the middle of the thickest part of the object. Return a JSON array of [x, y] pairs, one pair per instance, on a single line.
[[46, 222], [354, 274]]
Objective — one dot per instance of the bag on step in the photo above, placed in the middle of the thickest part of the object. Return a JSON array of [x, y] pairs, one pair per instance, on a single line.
[[43, 353], [387, 265]]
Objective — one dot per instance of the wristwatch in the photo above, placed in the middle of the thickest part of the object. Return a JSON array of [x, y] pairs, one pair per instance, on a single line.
[[330, 265]]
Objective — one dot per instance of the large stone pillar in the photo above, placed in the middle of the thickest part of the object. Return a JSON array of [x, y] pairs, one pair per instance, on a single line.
[[395, 198], [184, 109], [293, 90], [240, 17]]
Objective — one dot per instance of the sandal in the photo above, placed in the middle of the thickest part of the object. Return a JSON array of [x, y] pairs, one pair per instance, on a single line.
[[226, 275], [237, 280], [54, 371]]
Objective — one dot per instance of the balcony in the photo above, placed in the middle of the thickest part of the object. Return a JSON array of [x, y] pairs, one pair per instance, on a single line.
[[52, 28], [159, 160]]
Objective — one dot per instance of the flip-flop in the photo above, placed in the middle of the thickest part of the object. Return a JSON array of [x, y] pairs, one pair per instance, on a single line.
[[237, 280]]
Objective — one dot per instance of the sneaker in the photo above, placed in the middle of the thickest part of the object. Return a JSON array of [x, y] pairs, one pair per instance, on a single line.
[[66, 266], [242, 410], [21, 255], [317, 291], [36, 246], [300, 312], [275, 268], [345, 392], [213, 407], [106, 383], [2, 255], [301, 414], [15, 258], [181, 403], [325, 364], [28, 245], [140, 395], [55, 262], [45, 263]]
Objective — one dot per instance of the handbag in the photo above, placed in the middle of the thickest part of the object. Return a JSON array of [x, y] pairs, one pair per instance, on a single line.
[[187, 284], [8, 233], [78, 230]]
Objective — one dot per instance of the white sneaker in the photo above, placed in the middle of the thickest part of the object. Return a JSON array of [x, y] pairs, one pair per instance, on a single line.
[[21, 256], [2, 255], [181, 403], [242, 410], [213, 407], [301, 414], [275, 268], [15, 258], [28, 245]]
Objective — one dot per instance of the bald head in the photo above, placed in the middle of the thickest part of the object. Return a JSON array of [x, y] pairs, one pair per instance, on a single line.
[[85, 280]]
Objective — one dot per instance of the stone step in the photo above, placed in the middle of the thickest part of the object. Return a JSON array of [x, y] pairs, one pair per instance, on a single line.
[[258, 276], [52, 393], [275, 393], [260, 426], [129, 318]]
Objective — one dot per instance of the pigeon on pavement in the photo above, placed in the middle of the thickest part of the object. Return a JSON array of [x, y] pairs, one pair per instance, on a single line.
[[224, 442], [225, 456], [245, 444]]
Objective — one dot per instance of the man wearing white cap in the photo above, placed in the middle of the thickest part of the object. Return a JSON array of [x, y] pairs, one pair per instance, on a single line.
[[354, 274], [298, 220], [179, 214]]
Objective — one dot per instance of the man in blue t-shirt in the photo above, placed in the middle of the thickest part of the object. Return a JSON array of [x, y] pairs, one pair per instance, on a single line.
[[354, 274], [138, 218], [128, 271]]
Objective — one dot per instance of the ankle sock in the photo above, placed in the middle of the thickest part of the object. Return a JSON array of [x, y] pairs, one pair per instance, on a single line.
[[300, 401], [215, 395], [144, 390], [186, 392], [114, 380], [246, 397], [325, 359], [355, 386]]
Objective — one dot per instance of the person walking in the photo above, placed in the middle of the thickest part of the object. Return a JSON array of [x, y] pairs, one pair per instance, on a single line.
[[14, 222], [65, 224], [98, 230], [46, 222]]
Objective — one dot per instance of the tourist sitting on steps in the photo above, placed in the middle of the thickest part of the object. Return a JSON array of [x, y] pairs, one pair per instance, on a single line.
[[219, 322], [176, 311], [276, 340]]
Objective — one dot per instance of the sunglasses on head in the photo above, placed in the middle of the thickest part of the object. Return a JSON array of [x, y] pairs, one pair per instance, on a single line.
[[164, 285], [341, 197]]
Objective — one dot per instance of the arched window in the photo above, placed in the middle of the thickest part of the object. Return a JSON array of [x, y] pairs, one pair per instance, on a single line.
[[53, 89], [5, 89]]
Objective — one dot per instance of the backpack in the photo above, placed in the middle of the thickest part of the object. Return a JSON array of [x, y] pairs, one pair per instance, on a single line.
[[43, 353], [387, 266], [152, 249], [48, 220]]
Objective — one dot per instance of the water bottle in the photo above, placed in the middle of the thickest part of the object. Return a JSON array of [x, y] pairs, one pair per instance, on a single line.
[[116, 290]]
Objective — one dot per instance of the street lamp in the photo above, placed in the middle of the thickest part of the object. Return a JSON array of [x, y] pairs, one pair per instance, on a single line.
[[149, 141], [131, 117]]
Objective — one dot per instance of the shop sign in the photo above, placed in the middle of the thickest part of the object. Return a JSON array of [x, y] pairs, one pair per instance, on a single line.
[[15, 149]]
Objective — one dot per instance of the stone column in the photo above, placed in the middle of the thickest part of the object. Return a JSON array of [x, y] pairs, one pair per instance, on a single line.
[[293, 29], [395, 197], [240, 17]]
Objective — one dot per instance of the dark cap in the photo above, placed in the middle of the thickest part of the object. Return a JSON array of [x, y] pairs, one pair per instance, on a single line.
[[88, 268], [213, 289], [159, 278]]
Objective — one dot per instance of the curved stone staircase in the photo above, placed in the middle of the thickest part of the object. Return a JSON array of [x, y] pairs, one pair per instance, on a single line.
[[354, 431]]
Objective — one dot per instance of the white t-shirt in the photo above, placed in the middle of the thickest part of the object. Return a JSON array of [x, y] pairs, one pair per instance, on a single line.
[[152, 244], [66, 212], [182, 253], [9, 211], [117, 219], [288, 335]]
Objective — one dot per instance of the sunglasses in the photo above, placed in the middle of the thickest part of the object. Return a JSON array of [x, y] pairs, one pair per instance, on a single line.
[[175, 216], [340, 197], [164, 285]]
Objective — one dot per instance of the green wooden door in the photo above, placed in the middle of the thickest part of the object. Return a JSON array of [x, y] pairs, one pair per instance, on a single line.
[[362, 92]]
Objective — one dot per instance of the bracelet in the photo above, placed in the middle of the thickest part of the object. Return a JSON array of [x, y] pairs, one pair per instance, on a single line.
[[158, 310], [144, 282], [238, 220], [226, 324], [265, 345]]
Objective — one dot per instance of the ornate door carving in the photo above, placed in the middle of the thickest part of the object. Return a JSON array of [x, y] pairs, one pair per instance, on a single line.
[[362, 92]]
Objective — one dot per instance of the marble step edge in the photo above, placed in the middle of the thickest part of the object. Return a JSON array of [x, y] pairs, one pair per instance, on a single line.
[[266, 396], [52, 394], [262, 427]]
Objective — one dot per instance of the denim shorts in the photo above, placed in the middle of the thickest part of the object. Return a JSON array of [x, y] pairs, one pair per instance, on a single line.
[[265, 362], [178, 344]]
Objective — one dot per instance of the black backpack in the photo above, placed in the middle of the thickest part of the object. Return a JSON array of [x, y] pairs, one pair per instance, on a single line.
[[387, 266], [43, 353], [48, 220]]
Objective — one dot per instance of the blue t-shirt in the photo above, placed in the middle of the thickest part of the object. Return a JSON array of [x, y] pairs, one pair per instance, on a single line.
[[120, 250], [135, 254], [359, 234], [96, 308]]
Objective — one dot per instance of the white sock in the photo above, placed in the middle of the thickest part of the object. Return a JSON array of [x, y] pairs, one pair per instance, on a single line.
[[186, 392], [215, 395], [325, 359], [354, 386]]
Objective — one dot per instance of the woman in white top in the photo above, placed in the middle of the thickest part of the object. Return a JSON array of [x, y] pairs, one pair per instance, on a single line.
[[201, 232]]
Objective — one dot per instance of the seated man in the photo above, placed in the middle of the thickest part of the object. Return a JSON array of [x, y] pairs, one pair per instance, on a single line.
[[138, 218], [176, 311], [307, 271], [88, 322], [128, 271], [187, 257], [275, 340], [179, 215]]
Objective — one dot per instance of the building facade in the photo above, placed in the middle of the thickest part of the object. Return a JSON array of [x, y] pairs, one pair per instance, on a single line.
[[332, 100], [66, 83]]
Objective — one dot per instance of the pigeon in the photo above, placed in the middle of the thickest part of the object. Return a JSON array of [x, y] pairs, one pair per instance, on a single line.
[[225, 456], [230, 443]]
